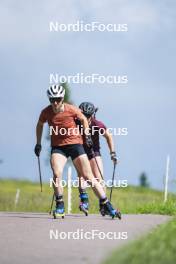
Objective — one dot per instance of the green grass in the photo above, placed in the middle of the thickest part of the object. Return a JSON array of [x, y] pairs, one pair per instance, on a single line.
[[159, 247], [129, 200]]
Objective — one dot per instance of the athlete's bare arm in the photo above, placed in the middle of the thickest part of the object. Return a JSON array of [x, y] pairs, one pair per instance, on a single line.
[[110, 141], [85, 124], [39, 131]]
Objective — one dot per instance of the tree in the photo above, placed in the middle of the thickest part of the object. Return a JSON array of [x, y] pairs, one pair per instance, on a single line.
[[67, 97], [143, 181]]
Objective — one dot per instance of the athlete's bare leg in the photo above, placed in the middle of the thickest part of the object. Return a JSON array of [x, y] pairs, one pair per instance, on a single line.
[[96, 171], [82, 165], [82, 183], [58, 162]]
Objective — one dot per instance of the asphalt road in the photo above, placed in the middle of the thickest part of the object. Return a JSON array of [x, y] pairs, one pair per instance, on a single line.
[[36, 238]]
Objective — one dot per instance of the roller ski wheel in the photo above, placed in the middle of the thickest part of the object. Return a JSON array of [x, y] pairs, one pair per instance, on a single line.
[[102, 211], [118, 214], [83, 209], [57, 215], [115, 214], [107, 209]]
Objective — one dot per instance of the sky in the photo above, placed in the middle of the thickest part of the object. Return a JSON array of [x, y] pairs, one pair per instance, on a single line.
[[145, 106]]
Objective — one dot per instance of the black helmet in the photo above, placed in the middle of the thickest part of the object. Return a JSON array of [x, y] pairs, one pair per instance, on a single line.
[[88, 109]]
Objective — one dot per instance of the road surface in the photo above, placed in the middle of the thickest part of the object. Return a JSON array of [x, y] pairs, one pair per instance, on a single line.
[[36, 238]]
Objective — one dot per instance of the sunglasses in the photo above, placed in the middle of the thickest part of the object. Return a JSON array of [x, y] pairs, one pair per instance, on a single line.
[[57, 99], [87, 115]]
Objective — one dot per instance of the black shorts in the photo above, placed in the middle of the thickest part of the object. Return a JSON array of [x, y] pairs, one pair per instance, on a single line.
[[91, 155], [72, 150]]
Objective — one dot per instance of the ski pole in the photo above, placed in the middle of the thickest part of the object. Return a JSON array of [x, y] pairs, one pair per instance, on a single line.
[[51, 207], [113, 175], [40, 175]]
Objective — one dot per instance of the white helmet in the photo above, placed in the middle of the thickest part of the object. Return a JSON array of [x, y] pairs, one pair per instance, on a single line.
[[56, 91]]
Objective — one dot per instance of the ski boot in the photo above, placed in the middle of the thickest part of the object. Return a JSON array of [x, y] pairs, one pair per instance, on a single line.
[[60, 210], [84, 203], [107, 209]]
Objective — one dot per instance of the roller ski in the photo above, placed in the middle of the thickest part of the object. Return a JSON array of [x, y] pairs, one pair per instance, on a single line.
[[107, 209], [102, 209], [59, 212], [84, 203]]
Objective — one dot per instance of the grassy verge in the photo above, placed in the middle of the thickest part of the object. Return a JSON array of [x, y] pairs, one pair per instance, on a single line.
[[159, 247], [129, 200]]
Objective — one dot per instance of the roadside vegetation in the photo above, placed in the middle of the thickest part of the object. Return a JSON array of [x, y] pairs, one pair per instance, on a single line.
[[157, 247], [131, 200]]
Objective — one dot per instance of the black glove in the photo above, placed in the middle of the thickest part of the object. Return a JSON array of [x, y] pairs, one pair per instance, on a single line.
[[88, 141], [37, 149], [114, 157]]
